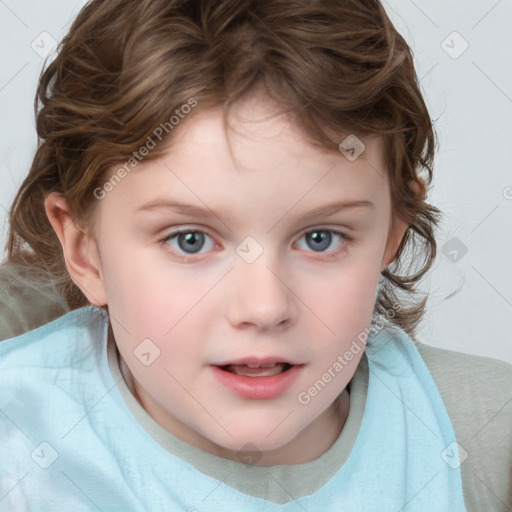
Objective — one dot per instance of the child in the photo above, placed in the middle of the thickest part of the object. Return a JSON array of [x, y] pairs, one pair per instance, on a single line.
[[258, 372]]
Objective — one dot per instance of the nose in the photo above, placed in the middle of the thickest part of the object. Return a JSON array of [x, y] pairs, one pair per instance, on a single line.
[[260, 295]]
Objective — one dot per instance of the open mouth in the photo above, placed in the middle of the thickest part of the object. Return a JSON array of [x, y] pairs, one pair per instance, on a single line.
[[260, 371], [258, 381]]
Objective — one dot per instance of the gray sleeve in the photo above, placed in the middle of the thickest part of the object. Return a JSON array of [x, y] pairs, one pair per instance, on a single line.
[[477, 393]]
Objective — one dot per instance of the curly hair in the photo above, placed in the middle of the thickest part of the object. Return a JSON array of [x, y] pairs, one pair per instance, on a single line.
[[126, 65]]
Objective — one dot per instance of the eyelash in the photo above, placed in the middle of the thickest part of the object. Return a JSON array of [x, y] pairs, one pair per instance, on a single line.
[[346, 238]]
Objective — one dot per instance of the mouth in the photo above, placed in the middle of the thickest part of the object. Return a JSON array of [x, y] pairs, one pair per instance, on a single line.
[[262, 382], [264, 370]]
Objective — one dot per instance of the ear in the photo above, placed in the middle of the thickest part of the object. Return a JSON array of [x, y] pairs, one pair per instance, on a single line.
[[399, 227], [395, 236], [80, 250]]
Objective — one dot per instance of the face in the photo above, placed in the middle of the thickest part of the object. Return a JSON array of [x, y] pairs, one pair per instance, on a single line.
[[257, 274]]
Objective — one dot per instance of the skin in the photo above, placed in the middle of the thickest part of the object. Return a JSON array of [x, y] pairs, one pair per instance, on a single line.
[[293, 300]]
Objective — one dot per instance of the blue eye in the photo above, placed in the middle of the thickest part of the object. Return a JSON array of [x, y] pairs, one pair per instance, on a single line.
[[191, 241], [320, 239], [187, 240]]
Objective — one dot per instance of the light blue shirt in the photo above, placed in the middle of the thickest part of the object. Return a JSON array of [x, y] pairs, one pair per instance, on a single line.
[[69, 443]]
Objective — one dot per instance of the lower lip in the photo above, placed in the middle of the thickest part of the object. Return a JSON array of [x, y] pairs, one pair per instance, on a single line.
[[257, 388]]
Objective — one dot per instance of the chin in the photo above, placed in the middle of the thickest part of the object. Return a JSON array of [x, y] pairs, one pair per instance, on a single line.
[[253, 440]]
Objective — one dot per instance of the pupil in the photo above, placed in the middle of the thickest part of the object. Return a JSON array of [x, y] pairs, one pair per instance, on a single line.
[[322, 237], [190, 240]]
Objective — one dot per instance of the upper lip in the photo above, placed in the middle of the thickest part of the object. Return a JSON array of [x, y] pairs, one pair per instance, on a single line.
[[258, 361]]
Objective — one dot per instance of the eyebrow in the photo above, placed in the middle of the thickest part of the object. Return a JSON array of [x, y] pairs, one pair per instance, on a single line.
[[199, 211]]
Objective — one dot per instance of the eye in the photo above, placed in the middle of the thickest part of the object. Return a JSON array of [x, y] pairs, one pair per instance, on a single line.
[[190, 241], [321, 239], [186, 243]]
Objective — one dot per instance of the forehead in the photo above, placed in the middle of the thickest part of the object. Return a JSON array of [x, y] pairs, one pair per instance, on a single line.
[[260, 137], [257, 122], [263, 158]]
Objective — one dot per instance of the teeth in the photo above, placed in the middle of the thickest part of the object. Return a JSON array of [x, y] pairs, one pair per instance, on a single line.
[[260, 366], [256, 371]]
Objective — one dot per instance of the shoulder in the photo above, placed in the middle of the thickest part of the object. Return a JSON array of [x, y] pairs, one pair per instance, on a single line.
[[468, 381], [479, 375], [61, 343], [477, 393]]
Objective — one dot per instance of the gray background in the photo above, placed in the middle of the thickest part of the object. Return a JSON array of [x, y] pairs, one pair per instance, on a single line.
[[462, 55]]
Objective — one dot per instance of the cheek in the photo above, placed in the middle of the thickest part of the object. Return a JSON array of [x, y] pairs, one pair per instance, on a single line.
[[151, 300], [133, 288], [345, 298]]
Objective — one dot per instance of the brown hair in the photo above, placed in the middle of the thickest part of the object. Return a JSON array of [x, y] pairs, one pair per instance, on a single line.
[[126, 66]]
